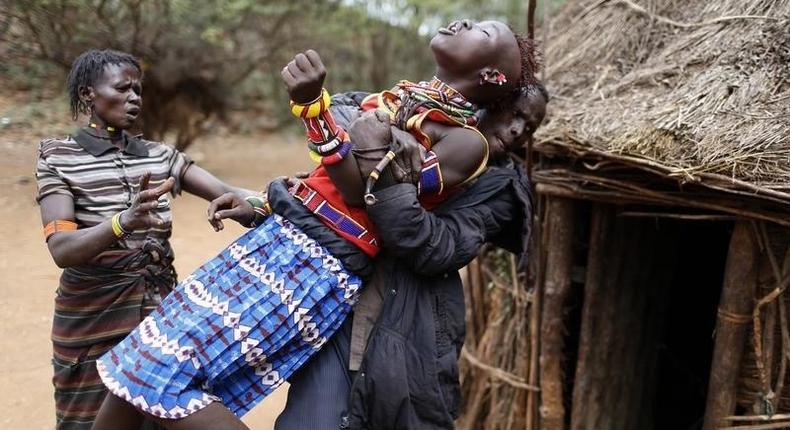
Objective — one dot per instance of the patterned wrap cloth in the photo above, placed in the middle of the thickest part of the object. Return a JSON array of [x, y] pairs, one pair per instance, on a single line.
[[97, 305], [236, 328]]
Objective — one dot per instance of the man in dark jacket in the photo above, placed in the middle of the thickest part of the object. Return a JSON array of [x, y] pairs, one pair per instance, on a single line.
[[395, 364]]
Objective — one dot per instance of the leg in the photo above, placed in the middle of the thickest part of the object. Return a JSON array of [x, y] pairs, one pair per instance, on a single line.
[[78, 389], [215, 416], [117, 414], [318, 395]]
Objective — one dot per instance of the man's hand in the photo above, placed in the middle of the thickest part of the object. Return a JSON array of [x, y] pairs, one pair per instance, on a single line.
[[370, 130], [409, 156], [304, 77], [371, 136], [229, 205]]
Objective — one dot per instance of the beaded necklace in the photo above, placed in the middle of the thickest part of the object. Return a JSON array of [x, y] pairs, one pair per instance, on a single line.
[[98, 127], [420, 97]]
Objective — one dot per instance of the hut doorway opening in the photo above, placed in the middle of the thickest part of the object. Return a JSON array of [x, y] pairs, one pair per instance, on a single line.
[[686, 344], [650, 292]]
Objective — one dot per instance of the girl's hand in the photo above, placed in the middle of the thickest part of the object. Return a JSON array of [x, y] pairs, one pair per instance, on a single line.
[[304, 77], [141, 214], [230, 205]]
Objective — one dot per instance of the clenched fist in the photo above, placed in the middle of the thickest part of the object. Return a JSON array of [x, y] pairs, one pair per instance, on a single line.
[[304, 77]]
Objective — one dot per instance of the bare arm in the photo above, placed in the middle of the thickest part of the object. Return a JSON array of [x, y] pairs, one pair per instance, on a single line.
[[370, 131], [226, 201], [460, 151], [203, 184], [72, 248], [346, 177]]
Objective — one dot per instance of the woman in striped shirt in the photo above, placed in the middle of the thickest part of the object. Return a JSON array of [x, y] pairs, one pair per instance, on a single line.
[[107, 222]]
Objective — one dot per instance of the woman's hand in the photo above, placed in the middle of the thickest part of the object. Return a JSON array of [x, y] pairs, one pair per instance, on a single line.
[[142, 213], [304, 77], [232, 206]]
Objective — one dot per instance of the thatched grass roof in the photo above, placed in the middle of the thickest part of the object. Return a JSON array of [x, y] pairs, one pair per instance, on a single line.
[[697, 89]]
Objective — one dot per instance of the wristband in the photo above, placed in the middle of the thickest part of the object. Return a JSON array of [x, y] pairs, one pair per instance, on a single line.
[[261, 207], [314, 108], [117, 229]]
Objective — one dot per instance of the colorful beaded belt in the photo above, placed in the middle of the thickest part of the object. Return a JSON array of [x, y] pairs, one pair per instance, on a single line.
[[319, 206]]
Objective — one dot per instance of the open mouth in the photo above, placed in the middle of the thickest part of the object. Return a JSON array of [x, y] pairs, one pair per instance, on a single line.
[[452, 29]]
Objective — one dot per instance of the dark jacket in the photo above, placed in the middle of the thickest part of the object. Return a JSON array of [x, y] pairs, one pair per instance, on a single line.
[[409, 375]]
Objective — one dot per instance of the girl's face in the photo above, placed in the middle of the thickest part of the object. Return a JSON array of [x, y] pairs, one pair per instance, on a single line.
[[116, 96], [464, 48], [509, 127]]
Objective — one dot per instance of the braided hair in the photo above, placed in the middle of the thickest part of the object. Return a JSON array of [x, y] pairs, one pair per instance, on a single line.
[[530, 60], [87, 70], [527, 79]]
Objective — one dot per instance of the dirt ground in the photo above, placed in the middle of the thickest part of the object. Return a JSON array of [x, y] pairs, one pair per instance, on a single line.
[[28, 277]]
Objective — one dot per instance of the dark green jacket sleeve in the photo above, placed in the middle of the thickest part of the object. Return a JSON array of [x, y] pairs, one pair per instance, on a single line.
[[446, 240]]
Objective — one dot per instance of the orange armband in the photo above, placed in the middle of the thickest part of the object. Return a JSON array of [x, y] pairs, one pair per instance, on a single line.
[[58, 225]]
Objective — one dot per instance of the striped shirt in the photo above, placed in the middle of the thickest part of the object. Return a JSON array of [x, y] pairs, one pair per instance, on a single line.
[[102, 179]]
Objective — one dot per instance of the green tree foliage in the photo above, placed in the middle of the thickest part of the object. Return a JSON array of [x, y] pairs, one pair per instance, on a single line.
[[203, 59]]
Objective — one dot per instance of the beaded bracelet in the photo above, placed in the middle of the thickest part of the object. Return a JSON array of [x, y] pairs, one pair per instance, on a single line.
[[337, 156], [314, 108], [431, 180], [326, 148], [117, 228], [261, 207], [316, 157]]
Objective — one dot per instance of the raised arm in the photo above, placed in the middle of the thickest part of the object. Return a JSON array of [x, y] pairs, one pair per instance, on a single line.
[[304, 79]]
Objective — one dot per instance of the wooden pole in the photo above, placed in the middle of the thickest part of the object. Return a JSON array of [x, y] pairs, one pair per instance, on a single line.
[[735, 309], [531, 6], [560, 230], [538, 253]]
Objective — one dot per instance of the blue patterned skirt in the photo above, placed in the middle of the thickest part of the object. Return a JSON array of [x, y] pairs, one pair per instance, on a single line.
[[236, 328]]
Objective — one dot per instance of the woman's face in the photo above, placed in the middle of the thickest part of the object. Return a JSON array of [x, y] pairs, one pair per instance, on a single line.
[[465, 47], [508, 128], [116, 96]]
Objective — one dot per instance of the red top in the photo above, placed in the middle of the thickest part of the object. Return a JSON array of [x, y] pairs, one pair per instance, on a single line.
[[320, 182]]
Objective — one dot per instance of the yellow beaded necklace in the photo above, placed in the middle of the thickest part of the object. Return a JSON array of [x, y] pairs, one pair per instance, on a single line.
[[98, 127]]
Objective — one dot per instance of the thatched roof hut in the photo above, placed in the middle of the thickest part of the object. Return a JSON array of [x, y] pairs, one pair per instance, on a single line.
[[663, 217], [696, 91]]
